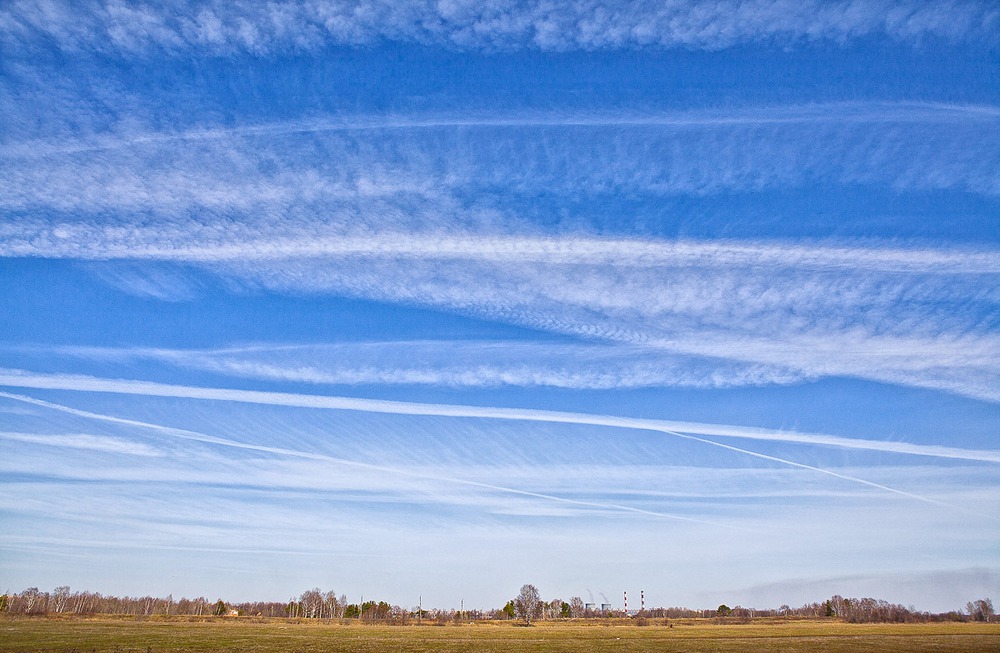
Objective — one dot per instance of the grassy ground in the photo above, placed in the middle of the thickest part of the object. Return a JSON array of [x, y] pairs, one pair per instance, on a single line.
[[121, 635]]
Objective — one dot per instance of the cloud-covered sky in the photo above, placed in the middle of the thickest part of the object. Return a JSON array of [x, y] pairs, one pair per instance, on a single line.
[[435, 299]]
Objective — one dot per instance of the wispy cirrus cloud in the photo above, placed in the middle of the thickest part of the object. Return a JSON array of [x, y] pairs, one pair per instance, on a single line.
[[385, 168], [730, 312], [86, 441], [227, 28], [411, 210], [590, 366], [450, 363], [927, 330]]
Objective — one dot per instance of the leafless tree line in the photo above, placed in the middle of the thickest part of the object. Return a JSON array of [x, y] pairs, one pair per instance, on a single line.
[[327, 605], [863, 610], [311, 604], [63, 600]]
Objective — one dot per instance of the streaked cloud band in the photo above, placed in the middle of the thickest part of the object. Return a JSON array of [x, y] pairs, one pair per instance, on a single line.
[[91, 242], [245, 27], [80, 383]]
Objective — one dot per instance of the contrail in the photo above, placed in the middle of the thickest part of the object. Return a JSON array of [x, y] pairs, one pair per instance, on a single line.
[[837, 112], [211, 439], [508, 248], [80, 383], [148, 388], [811, 467]]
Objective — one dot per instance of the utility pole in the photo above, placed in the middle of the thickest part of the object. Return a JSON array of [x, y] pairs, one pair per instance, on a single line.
[[420, 609]]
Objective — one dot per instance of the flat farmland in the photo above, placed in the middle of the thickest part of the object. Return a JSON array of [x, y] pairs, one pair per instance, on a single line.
[[124, 635]]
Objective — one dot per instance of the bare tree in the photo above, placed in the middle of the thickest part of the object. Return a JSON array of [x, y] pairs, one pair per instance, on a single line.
[[60, 598], [30, 598], [312, 603], [528, 603], [981, 610]]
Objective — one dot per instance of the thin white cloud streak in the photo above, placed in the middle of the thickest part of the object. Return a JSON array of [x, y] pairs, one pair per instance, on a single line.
[[274, 253], [166, 506], [355, 489], [718, 376], [85, 441], [61, 546], [284, 479], [147, 280], [336, 257], [812, 115], [228, 28], [79, 383], [17, 378], [93, 242], [200, 437], [151, 516], [451, 363], [313, 167], [812, 468], [966, 364], [493, 364]]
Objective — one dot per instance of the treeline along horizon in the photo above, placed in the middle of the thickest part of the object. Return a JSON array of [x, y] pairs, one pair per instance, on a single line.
[[327, 605]]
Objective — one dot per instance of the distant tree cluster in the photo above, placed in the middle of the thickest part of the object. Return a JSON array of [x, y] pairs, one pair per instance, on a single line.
[[316, 604], [527, 606], [869, 610], [312, 604]]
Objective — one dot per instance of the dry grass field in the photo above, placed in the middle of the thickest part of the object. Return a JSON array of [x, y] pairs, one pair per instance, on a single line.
[[129, 635]]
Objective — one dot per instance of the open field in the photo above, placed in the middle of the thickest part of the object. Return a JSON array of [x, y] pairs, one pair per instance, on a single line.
[[124, 635]]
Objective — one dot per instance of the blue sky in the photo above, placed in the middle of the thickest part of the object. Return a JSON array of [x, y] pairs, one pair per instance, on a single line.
[[435, 299]]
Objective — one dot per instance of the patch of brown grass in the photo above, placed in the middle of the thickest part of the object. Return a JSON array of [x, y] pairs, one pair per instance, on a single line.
[[257, 635]]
